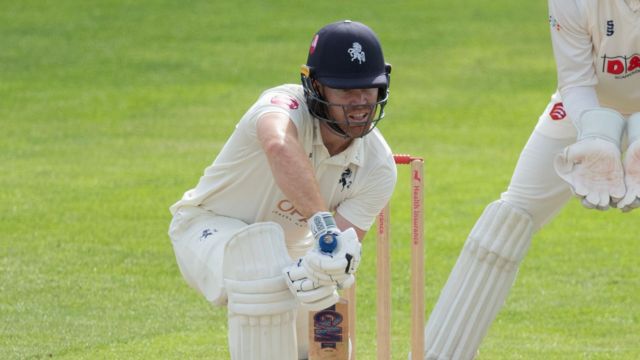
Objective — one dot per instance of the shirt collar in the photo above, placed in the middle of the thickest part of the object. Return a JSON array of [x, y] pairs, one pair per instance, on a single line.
[[354, 154]]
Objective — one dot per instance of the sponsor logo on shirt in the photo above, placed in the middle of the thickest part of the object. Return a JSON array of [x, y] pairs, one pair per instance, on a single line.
[[287, 211], [286, 102], [610, 29], [621, 66]]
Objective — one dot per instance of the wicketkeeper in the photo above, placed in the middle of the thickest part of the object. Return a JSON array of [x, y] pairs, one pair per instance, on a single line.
[[273, 227], [576, 148]]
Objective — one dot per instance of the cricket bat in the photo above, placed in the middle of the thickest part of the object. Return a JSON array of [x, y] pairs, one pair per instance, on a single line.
[[329, 332]]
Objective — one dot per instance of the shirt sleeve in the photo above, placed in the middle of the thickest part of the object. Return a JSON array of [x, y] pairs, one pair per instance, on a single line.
[[578, 99], [269, 102], [572, 44]]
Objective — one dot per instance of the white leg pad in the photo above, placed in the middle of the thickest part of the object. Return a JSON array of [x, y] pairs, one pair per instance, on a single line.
[[261, 309], [479, 282], [302, 332]]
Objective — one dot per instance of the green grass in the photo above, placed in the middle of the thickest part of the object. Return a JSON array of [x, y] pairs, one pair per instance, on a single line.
[[109, 110]]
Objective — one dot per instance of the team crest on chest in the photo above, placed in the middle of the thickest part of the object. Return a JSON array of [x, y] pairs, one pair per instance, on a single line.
[[345, 179]]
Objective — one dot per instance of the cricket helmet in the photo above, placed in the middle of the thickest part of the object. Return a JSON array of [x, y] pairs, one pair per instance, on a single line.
[[345, 55]]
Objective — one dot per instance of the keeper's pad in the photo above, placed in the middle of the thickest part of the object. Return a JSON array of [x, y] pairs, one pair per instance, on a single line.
[[479, 282], [261, 309]]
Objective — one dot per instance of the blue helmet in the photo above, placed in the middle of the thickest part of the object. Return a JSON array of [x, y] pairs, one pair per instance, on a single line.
[[345, 55]]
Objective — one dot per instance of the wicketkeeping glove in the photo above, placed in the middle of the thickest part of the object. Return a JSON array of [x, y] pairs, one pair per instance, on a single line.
[[592, 166], [631, 163]]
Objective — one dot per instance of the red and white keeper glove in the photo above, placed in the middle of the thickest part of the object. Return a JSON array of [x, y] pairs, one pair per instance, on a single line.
[[631, 164], [592, 166]]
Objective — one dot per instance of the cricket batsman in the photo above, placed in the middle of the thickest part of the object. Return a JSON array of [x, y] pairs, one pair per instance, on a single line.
[[273, 227], [586, 143]]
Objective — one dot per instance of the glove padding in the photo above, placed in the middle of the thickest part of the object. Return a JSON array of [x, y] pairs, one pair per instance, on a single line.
[[631, 199], [309, 292], [324, 230], [338, 267], [593, 169], [317, 269]]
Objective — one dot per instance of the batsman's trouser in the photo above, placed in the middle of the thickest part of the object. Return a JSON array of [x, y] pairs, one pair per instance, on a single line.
[[486, 269], [199, 239]]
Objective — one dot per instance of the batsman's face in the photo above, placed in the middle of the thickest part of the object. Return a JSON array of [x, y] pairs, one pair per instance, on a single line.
[[352, 109]]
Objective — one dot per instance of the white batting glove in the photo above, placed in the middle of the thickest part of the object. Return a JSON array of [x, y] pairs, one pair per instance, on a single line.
[[309, 292], [338, 267], [631, 163], [592, 166], [325, 231]]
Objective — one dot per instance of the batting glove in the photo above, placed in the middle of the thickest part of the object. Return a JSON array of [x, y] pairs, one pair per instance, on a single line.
[[308, 291], [324, 230], [338, 267]]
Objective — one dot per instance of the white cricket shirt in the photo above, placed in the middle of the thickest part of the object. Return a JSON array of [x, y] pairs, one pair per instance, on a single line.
[[356, 183], [597, 43]]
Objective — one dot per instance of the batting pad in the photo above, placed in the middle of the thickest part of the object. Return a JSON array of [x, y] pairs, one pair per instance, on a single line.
[[479, 282], [302, 332], [261, 309]]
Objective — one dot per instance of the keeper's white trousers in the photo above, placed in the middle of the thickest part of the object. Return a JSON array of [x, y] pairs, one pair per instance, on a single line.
[[535, 187], [487, 266]]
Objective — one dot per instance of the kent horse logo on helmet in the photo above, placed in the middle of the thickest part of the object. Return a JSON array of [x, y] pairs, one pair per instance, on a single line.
[[345, 55], [357, 53]]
